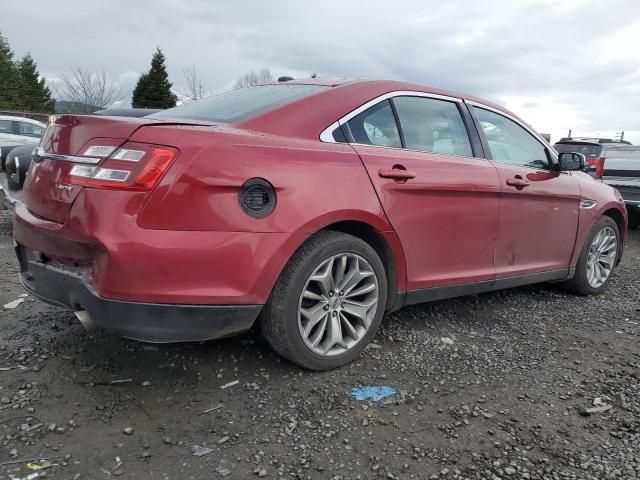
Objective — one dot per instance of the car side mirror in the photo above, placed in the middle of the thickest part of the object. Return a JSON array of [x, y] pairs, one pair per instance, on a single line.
[[571, 161]]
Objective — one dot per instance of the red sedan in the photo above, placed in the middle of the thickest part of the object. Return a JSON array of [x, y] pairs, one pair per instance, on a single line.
[[312, 207]]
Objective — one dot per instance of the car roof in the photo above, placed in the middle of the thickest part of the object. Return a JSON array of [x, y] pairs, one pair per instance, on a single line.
[[390, 86], [344, 95], [22, 119]]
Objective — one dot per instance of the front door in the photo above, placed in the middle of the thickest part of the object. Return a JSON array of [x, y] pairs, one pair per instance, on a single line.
[[539, 207], [441, 200]]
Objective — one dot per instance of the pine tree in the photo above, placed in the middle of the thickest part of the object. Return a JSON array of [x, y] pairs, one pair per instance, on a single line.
[[9, 77], [35, 96], [153, 89]]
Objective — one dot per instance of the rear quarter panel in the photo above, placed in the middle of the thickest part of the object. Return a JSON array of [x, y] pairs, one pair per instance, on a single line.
[[317, 184]]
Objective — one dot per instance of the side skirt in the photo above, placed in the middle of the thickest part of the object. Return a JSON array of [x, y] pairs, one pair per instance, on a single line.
[[451, 291]]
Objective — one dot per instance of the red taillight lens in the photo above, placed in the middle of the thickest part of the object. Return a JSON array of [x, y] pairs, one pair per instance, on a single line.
[[597, 164], [153, 169], [131, 167]]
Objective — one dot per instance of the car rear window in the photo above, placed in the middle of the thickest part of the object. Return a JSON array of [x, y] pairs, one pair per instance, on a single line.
[[239, 105], [587, 149]]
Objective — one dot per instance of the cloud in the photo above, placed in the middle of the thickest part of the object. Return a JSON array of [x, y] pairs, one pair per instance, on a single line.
[[572, 63]]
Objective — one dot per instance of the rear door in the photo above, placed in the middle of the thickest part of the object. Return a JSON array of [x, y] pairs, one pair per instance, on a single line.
[[539, 207], [441, 200]]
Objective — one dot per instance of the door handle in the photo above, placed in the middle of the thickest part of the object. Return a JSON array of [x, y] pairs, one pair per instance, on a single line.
[[396, 174], [517, 182]]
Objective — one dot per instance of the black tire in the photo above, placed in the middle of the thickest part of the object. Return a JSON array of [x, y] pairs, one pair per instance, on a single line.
[[12, 174], [579, 283], [634, 218], [279, 317]]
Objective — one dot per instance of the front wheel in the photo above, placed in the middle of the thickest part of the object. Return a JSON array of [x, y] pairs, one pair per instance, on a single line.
[[597, 259], [328, 303]]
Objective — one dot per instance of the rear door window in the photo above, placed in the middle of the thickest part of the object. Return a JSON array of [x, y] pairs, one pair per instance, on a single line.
[[432, 125], [376, 126]]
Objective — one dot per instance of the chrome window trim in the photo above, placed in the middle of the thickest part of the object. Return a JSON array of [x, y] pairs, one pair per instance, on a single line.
[[39, 155], [327, 137]]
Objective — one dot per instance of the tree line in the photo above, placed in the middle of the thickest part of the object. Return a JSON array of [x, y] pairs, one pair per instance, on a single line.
[[23, 88]]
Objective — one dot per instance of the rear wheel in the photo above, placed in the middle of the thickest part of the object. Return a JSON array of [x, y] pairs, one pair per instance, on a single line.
[[328, 303], [597, 259]]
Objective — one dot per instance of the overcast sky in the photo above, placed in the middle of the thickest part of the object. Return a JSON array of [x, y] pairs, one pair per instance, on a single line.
[[559, 64]]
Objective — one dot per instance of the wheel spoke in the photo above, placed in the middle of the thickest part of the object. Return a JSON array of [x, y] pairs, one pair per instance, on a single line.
[[606, 261], [366, 288], [359, 309], [319, 333], [590, 273], [324, 277], [357, 275], [308, 294], [340, 270], [346, 324], [334, 334]]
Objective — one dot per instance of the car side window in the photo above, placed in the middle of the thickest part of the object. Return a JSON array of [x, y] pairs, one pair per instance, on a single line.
[[432, 125], [5, 126], [376, 126], [509, 142], [29, 129]]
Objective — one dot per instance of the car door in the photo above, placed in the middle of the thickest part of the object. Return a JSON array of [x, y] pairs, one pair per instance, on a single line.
[[539, 207], [441, 200]]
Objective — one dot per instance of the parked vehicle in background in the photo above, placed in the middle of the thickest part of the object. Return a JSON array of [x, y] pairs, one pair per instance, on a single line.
[[311, 206], [18, 160], [615, 163], [17, 166], [16, 131]]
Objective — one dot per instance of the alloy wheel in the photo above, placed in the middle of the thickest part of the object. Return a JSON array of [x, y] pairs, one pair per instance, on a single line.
[[338, 304], [601, 257]]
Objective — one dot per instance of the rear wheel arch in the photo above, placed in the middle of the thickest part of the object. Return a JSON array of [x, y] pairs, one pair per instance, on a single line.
[[617, 216], [375, 240]]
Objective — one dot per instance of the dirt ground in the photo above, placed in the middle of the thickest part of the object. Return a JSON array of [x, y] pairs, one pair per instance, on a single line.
[[489, 386]]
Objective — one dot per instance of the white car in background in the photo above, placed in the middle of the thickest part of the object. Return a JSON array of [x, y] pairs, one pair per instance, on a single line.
[[16, 131]]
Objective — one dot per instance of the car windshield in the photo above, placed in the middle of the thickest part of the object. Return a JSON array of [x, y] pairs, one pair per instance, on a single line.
[[587, 149], [238, 105]]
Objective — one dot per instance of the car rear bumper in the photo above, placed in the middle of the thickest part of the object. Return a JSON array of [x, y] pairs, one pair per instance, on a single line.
[[132, 264], [68, 287]]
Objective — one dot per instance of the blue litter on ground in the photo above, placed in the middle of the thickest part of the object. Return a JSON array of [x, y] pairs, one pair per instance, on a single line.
[[372, 393]]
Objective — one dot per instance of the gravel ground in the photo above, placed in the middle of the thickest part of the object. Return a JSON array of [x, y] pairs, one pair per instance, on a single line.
[[489, 386]]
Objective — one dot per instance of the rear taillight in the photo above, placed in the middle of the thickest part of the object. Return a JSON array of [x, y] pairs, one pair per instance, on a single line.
[[136, 167], [596, 165]]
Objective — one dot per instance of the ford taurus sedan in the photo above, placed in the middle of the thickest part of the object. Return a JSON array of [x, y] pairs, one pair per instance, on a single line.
[[310, 207]]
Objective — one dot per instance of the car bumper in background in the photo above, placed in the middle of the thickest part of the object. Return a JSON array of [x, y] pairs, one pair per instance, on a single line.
[[629, 191], [67, 287], [8, 198]]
